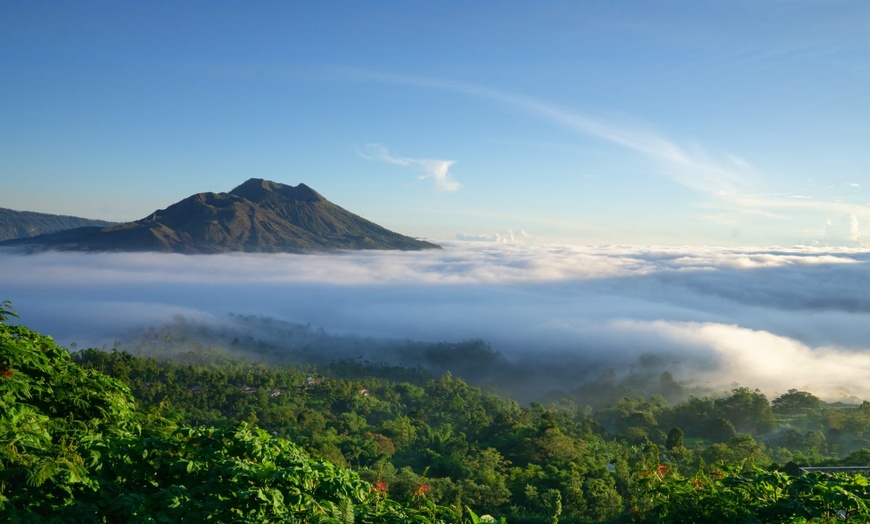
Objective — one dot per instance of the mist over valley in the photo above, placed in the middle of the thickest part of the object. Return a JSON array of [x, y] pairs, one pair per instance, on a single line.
[[530, 318]]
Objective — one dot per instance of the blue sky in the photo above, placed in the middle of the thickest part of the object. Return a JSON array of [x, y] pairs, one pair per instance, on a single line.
[[682, 122]]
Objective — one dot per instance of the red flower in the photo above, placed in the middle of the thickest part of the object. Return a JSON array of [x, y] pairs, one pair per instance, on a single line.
[[662, 469], [422, 490], [380, 486], [6, 372]]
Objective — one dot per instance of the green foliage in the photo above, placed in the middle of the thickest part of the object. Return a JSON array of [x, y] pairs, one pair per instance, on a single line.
[[223, 476], [48, 408], [675, 439], [474, 445], [73, 448], [231, 440], [795, 403], [753, 496], [479, 450]]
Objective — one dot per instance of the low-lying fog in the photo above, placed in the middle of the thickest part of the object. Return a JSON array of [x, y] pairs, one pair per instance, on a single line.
[[772, 319]]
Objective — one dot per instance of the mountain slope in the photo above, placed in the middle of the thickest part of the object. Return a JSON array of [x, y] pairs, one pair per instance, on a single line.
[[257, 216], [22, 224]]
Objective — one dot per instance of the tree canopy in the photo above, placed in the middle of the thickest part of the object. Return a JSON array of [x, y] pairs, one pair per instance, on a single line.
[[105, 436]]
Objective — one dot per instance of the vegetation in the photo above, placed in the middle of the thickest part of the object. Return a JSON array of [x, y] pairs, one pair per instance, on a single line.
[[73, 448], [107, 436]]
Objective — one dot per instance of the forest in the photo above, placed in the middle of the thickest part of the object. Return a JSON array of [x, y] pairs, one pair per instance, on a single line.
[[97, 435]]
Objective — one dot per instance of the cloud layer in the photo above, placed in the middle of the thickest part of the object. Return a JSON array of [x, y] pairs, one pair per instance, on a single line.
[[774, 319]]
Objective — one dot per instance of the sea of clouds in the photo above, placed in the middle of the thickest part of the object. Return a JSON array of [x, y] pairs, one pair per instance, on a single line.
[[772, 319]]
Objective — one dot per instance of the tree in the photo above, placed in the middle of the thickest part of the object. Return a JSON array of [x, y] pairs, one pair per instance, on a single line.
[[675, 439], [720, 429], [670, 388], [795, 403], [748, 410]]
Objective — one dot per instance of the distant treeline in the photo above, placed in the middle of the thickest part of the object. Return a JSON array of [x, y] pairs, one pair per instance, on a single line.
[[528, 376]]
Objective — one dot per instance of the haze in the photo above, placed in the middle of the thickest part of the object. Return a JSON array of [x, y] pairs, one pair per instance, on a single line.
[[771, 319]]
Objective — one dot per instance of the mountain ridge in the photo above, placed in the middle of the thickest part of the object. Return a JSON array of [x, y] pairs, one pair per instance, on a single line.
[[22, 224], [257, 216]]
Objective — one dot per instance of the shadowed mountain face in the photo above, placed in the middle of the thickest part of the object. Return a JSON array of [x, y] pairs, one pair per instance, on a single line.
[[257, 216]]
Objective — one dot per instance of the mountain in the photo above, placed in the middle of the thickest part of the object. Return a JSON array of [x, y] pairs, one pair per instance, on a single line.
[[22, 224], [257, 216]]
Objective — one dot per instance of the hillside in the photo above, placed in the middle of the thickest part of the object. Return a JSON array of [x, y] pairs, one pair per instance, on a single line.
[[109, 437], [723, 458], [257, 216], [74, 448], [23, 224]]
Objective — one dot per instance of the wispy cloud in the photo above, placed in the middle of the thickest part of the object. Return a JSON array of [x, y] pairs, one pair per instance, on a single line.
[[750, 203], [727, 179], [692, 168], [438, 171]]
